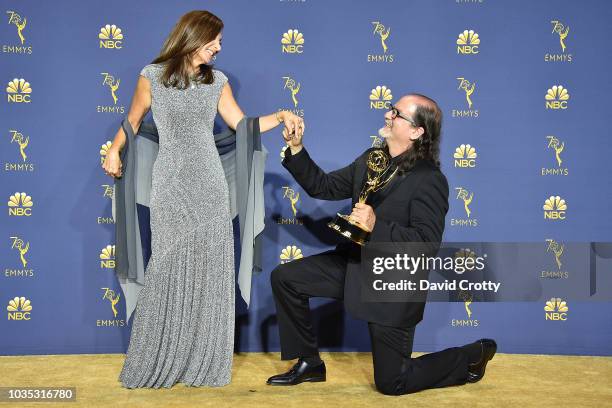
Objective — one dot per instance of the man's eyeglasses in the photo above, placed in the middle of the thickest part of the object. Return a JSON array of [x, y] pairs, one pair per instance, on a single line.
[[395, 113]]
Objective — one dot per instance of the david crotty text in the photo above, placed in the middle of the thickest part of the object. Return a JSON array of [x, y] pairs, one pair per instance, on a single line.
[[424, 284]]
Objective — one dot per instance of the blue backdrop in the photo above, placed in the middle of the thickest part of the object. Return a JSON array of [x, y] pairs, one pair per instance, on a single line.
[[517, 81]]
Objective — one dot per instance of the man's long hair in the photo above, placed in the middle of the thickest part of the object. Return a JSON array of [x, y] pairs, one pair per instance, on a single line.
[[427, 147], [192, 31]]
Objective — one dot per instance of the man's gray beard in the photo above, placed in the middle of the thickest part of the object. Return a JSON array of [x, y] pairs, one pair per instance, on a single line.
[[384, 132]]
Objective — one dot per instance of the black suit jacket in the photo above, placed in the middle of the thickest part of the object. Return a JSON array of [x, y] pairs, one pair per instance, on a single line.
[[411, 208]]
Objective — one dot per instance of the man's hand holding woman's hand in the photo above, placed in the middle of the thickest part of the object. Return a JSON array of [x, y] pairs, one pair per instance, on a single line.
[[293, 131]]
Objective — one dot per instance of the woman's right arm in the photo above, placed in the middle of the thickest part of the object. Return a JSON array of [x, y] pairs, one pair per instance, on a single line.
[[141, 103]]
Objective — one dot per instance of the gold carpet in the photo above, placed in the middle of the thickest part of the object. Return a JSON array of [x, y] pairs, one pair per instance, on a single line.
[[511, 380]]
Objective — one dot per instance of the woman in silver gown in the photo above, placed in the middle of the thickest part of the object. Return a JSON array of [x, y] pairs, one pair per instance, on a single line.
[[183, 325]]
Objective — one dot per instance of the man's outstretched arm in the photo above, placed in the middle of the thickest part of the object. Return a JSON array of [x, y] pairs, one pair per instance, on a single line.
[[335, 185]]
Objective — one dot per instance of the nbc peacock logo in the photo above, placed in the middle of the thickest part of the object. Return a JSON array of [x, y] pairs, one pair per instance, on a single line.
[[19, 308], [111, 37], [465, 156], [557, 97], [19, 91], [104, 150], [380, 97], [290, 253], [554, 208], [107, 257], [20, 205], [465, 260], [292, 42], [556, 309], [282, 152], [468, 42]]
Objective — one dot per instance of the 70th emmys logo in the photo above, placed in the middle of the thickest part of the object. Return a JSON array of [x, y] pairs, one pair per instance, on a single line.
[[380, 97], [467, 305], [556, 309], [556, 249], [558, 147], [556, 98], [113, 85], [111, 37], [18, 91], [561, 32], [22, 142], [382, 33], [292, 42], [468, 42], [113, 298], [465, 156], [19, 308], [22, 248], [20, 205], [467, 197], [293, 197], [294, 87], [20, 24], [468, 88], [554, 208], [108, 191]]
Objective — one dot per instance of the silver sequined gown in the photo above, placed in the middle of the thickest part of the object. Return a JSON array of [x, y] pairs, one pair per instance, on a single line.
[[183, 326]]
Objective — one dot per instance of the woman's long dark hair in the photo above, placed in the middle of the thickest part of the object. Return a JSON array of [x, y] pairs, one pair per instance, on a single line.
[[427, 147], [191, 32]]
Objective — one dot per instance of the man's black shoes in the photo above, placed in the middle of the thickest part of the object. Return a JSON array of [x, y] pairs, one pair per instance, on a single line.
[[300, 372], [477, 370]]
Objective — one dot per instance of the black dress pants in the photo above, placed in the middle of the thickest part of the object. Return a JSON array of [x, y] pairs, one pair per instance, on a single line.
[[395, 372]]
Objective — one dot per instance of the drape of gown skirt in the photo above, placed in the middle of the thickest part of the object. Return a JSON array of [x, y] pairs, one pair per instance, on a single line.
[[183, 324]]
